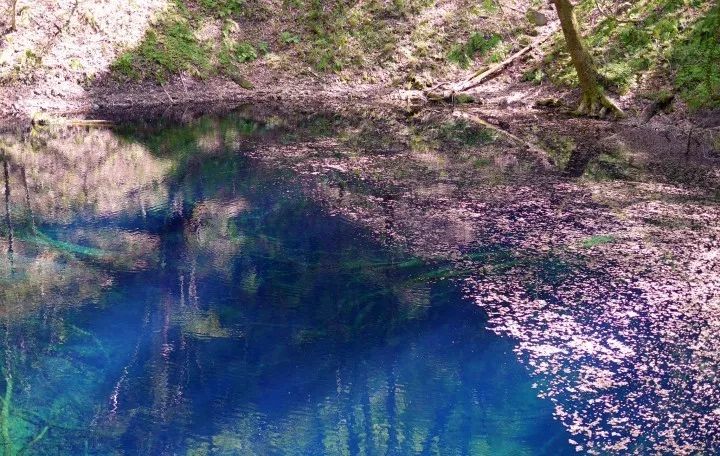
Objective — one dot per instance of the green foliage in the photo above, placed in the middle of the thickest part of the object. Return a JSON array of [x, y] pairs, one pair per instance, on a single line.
[[697, 59], [125, 65], [662, 37], [171, 47], [223, 8], [534, 75], [245, 52], [477, 45], [263, 47], [489, 6], [166, 50], [289, 38]]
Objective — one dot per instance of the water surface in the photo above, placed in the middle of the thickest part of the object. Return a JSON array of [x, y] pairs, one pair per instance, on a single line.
[[164, 296]]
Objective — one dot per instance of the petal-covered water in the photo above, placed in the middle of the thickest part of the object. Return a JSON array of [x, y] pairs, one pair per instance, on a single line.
[[167, 296]]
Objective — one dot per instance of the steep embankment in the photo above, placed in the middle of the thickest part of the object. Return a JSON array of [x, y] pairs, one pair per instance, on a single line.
[[81, 55]]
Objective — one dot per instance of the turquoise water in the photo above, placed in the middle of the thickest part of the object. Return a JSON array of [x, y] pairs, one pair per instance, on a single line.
[[161, 300]]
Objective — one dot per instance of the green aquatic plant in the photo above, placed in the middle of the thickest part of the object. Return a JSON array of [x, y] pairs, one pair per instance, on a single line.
[[7, 420], [598, 240], [205, 326]]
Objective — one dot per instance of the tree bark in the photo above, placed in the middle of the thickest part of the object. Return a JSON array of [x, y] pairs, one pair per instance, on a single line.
[[594, 101], [13, 12]]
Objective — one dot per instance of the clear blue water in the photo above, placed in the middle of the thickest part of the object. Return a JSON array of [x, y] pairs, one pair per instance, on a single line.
[[220, 311]]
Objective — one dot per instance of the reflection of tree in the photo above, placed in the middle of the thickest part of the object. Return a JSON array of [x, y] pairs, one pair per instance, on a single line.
[[60, 172], [177, 205], [8, 220], [27, 198]]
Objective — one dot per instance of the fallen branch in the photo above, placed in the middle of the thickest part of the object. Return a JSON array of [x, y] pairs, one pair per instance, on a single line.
[[482, 76], [540, 154], [184, 86], [661, 104], [58, 30]]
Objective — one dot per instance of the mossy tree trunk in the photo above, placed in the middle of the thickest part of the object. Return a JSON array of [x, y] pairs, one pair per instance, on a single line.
[[594, 101]]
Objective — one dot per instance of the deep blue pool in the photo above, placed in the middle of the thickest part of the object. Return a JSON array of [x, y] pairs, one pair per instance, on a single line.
[[206, 306]]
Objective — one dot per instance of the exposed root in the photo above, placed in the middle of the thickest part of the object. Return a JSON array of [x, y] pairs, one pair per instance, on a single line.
[[599, 105]]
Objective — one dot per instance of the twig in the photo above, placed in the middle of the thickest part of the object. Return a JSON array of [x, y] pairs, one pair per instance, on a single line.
[[45, 48], [37, 438], [166, 93]]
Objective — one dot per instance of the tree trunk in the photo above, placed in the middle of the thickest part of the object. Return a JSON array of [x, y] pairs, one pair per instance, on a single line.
[[13, 13], [594, 101]]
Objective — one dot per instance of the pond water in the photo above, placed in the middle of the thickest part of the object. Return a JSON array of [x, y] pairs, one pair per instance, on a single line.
[[160, 298]]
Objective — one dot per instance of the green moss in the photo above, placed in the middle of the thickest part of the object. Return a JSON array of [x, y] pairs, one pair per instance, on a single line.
[[463, 98], [169, 48], [611, 167]]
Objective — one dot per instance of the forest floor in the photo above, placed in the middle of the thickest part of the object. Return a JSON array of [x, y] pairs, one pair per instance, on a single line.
[[76, 59], [81, 59]]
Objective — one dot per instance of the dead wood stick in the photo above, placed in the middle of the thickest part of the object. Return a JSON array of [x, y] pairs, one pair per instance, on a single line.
[[168, 95], [183, 84]]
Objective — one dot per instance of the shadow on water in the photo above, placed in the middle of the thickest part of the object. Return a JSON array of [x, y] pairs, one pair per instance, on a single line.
[[170, 295]]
